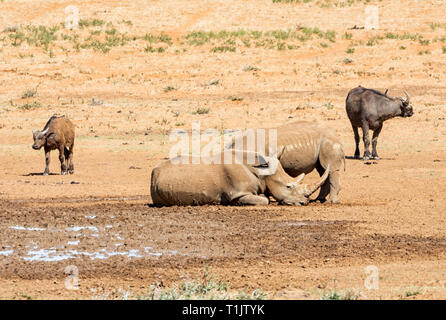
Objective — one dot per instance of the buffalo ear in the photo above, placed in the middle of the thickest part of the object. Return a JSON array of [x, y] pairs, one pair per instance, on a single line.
[[49, 135]]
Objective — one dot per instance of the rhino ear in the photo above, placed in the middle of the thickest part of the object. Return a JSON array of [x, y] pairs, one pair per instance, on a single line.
[[266, 166]]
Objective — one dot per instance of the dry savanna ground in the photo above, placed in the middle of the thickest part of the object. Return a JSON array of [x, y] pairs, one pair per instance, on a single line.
[[134, 70]]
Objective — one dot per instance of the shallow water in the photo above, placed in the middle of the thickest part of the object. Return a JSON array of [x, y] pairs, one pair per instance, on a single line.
[[64, 251]]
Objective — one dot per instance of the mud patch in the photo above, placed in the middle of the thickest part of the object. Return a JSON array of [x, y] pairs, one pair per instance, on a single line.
[[124, 237]]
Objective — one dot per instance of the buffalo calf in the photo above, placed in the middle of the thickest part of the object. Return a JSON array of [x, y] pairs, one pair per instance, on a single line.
[[58, 133]]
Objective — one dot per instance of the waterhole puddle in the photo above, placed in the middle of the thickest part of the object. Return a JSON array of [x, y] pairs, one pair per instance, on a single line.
[[52, 254], [27, 228], [6, 252], [78, 228], [67, 245]]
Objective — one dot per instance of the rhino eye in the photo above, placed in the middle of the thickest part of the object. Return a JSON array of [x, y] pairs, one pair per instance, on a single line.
[[288, 186]]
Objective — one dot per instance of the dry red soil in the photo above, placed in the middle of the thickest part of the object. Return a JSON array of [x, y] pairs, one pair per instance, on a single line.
[[392, 212]]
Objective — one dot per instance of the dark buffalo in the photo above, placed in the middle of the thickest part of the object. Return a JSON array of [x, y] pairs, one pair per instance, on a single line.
[[58, 133], [368, 109]]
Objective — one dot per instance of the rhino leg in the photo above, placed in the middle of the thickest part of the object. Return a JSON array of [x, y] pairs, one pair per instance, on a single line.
[[335, 186], [356, 133], [252, 200], [376, 133]]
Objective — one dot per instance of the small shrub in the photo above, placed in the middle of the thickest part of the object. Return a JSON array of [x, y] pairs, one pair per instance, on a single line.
[[347, 36], [29, 93], [329, 105], [223, 49], [235, 98], [201, 110], [251, 68], [340, 295], [28, 106], [169, 88]]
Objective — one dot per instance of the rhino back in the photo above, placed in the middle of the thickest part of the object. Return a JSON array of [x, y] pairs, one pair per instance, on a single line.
[[300, 148]]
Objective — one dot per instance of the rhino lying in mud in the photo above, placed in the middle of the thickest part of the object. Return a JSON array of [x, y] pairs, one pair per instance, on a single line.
[[58, 133], [368, 109], [304, 146], [174, 183]]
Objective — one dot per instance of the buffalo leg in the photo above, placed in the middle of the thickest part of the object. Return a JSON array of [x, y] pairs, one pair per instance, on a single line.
[[365, 137], [63, 167], [47, 162], [69, 156], [253, 200], [375, 141], [356, 133]]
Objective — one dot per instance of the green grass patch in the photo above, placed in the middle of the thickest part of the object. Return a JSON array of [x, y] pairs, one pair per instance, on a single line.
[[29, 106]]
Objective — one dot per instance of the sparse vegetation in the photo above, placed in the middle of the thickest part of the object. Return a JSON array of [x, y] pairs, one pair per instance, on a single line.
[[339, 295], [201, 110], [169, 88], [251, 68], [29, 93], [329, 105], [28, 106], [424, 52], [436, 25], [347, 36], [101, 36], [83, 23], [275, 39], [223, 49], [205, 287], [235, 98], [412, 292]]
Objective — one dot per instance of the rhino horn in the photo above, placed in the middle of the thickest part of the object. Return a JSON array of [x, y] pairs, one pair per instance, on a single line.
[[312, 189], [299, 178], [407, 97]]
